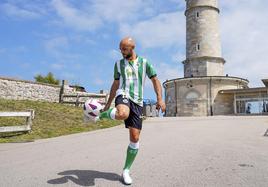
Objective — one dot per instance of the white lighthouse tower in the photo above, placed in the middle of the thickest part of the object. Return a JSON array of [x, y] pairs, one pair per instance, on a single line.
[[203, 45], [197, 93]]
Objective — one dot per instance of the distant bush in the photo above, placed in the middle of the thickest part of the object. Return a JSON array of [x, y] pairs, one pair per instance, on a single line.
[[50, 79]]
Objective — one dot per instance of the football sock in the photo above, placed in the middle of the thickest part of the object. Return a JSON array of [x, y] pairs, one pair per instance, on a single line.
[[109, 114], [132, 151]]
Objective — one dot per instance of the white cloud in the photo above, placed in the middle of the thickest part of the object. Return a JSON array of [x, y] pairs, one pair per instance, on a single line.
[[164, 30], [61, 50], [67, 76], [178, 57], [121, 10], [78, 38], [57, 66], [76, 18], [167, 71], [92, 15], [244, 39], [115, 54], [55, 45], [18, 12]]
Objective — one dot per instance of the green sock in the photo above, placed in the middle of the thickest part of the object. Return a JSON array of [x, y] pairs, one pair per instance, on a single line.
[[106, 114], [131, 154]]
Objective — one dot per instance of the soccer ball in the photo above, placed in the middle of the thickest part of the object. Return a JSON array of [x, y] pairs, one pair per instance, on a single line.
[[92, 108]]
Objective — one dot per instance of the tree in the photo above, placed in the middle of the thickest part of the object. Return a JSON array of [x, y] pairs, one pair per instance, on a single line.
[[50, 79]]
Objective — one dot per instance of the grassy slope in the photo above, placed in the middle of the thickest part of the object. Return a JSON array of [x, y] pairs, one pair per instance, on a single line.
[[51, 120]]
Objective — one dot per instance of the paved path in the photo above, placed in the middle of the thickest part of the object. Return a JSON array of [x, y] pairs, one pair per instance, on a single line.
[[203, 151]]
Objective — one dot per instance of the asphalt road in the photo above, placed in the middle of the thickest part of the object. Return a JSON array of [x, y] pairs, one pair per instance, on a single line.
[[202, 151]]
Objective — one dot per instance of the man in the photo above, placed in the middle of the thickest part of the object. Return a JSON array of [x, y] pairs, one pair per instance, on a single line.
[[129, 75]]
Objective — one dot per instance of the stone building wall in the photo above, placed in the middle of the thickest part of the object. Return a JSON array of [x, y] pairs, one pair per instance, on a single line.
[[200, 97], [192, 99], [224, 104], [171, 98], [204, 66]]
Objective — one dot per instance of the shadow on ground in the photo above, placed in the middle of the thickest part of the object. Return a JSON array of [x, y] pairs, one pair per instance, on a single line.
[[266, 133], [84, 177]]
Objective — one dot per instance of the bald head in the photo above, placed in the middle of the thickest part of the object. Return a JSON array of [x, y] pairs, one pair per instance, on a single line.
[[127, 42], [127, 46]]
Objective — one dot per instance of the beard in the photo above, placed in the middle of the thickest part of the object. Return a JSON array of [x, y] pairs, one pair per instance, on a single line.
[[128, 56]]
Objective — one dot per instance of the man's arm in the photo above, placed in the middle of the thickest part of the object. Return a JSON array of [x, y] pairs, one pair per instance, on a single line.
[[114, 87], [158, 90]]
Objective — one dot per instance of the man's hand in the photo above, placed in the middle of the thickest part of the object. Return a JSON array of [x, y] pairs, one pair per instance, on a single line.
[[161, 105]]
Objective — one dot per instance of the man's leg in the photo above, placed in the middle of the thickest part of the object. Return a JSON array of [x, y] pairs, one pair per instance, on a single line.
[[132, 151], [133, 147], [120, 112], [134, 124]]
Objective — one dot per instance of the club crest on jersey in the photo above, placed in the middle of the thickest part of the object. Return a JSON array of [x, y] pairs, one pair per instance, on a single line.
[[129, 72], [125, 101]]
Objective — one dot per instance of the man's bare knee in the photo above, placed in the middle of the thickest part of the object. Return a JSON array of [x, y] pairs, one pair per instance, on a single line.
[[122, 115], [122, 112], [134, 138], [134, 135]]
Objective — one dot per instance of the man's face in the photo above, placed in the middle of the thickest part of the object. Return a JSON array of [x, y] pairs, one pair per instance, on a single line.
[[126, 51]]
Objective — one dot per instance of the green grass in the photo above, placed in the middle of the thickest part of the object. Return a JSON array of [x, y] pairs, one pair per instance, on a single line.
[[51, 120]]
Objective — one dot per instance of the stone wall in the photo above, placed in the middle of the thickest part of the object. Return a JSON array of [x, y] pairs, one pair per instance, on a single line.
[[28, 90]]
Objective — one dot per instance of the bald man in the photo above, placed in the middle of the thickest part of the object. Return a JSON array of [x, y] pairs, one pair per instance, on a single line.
[[127, 89]]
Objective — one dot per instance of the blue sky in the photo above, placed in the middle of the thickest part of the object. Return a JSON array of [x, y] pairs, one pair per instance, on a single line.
[[78, 40]]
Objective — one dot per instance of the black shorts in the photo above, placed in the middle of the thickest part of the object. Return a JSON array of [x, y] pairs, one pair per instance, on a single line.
[[135, 115]]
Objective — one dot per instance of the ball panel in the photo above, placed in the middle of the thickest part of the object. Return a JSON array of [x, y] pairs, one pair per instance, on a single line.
[[92, 108]]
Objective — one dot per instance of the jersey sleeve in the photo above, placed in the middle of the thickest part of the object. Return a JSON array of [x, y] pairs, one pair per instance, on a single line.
[[116, 72], [150, 71]]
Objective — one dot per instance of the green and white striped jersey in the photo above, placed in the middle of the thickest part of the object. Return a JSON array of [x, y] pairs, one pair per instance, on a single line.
[[132, 76]]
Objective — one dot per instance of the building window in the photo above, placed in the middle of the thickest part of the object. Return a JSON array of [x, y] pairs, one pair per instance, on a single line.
[[197, 47], [197, 14]]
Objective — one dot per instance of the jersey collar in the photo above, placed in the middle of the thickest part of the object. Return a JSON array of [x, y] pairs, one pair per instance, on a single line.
[[132, 62]]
